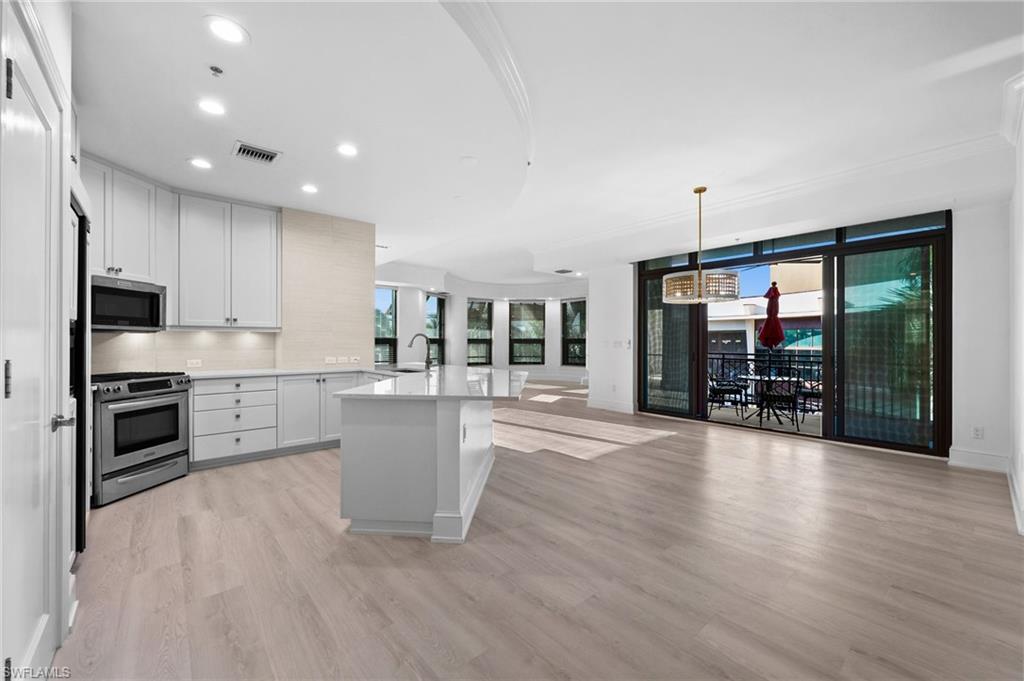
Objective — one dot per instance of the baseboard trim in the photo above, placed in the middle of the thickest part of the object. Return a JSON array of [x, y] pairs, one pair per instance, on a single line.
[[1015, 500], [258, 456], [982, 461], [621, 407]]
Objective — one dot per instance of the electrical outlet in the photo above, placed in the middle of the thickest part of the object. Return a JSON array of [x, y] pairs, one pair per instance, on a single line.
[[978, 432], [354, 360], [342, 360], [194, 363], [330, 360]]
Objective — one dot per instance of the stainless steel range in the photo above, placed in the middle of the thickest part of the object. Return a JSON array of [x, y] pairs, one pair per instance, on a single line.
[[140, 432]]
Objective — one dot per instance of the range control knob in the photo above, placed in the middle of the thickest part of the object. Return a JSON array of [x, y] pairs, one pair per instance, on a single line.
[[117, 388], [181, 381], [107, 389]]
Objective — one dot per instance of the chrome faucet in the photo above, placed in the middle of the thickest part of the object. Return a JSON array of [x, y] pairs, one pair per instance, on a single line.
[[427, 363]]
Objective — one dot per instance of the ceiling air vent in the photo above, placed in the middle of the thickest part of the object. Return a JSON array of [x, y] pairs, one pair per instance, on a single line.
[[563, 271], [251, 152]]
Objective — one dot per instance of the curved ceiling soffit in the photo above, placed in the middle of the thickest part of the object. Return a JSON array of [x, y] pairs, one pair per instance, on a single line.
[[478, 21]]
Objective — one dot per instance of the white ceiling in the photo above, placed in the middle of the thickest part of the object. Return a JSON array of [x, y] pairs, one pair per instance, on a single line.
[[631, 105]]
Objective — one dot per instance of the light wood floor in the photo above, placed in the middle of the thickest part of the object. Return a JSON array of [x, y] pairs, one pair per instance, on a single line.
[[710, 552]]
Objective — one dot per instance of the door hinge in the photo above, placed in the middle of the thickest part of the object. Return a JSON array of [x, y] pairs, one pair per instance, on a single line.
[[7, 378], [10, 78]]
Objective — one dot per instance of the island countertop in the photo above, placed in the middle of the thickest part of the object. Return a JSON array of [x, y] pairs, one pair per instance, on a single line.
[[448, 382]]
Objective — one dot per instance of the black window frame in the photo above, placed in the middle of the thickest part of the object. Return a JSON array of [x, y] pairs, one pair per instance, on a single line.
[[389, 342], [514, 343], [487, 343], [568, 340], [437, 344]]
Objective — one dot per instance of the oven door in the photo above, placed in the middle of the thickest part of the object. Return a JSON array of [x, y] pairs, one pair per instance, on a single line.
[[136, 431]]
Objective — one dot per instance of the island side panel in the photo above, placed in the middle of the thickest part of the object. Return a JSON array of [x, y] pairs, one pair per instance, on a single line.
[[465, 447], [389, 465]]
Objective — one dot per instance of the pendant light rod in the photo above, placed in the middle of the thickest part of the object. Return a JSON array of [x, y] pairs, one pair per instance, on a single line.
[[699, 191]]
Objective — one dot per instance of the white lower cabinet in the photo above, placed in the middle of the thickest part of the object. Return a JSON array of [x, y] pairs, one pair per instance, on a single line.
[[298, 410], [330, 407], [260, 414]]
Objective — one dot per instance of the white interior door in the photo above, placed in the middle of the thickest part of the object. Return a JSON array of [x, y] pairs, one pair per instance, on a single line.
[[30, 211]]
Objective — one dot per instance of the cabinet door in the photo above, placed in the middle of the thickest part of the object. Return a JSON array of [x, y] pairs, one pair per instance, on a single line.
[[131, 228], [254, 267], [330, 407], [298, 410], [204, 272], [96, 178], [167, 250]]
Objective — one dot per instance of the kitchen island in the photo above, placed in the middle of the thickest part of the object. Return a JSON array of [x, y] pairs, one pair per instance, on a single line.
[[417, 450]]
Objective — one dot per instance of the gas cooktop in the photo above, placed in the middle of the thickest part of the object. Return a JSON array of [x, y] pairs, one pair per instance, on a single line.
[[132, 376]]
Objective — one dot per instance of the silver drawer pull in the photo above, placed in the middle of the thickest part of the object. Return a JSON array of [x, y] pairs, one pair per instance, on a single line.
[[238, 400], [238, 416], [237, 440], [140, 474], [238, 385]]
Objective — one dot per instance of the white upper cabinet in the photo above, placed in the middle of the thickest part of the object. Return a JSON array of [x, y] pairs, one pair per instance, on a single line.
[[167, 250], [254, 267], [131, 228], [204, 272], [97, 179], [122, 237]]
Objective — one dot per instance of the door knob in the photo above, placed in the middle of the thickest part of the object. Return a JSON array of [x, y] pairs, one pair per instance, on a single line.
[[58, 421]]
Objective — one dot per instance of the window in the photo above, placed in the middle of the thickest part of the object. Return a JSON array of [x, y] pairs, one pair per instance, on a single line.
[[385, 349], [479, 331], [574, 332], [435, 327], [896, 227], [526, 333]]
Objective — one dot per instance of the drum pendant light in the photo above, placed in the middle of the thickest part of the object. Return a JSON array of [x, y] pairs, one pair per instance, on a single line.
[[695, 287]]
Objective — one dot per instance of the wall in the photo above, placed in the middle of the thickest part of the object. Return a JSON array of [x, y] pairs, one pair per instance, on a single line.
[[171, 350], [411, 320], [1016, 466], [327, 275], [610, 338], [55, 18], [981, 329]]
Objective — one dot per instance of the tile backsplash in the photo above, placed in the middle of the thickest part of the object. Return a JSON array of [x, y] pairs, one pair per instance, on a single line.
[[171, 350]]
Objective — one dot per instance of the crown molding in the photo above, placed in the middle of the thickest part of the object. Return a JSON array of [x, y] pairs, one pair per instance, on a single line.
[[1013, 108], [479, 23], [909, 162]]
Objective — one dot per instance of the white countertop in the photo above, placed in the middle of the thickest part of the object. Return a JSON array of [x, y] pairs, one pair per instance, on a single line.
[[242, 373], [449, 382]]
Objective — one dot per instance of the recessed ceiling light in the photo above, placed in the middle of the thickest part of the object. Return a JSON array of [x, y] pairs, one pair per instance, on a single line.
[[310, 188], [212, 106], [201, 163], [432, 288], [227, 30], [579, 274], [347, 149]]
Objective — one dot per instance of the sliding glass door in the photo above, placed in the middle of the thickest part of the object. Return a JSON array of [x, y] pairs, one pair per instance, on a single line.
[[886, 347], [667, 360]]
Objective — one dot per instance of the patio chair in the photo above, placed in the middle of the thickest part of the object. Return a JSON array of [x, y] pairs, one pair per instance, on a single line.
[[721, 390]]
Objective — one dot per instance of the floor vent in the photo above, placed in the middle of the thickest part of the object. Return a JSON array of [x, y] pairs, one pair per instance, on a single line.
[[251, 152]]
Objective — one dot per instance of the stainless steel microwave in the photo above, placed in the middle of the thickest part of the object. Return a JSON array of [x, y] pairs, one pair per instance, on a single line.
[[126, 305]]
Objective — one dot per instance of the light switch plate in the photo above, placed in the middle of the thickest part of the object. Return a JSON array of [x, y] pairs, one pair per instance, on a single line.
[[330, 360], [194, 363]]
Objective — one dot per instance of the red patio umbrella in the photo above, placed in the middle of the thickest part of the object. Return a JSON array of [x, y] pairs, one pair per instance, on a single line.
[[771, 332]]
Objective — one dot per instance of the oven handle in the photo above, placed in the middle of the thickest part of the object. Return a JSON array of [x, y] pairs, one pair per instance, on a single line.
[[141, 404], [148, 471]]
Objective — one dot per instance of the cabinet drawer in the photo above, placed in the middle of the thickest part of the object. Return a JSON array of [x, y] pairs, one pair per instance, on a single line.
[[232, 401], [232, 444], [213, 386], [231, 420]]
